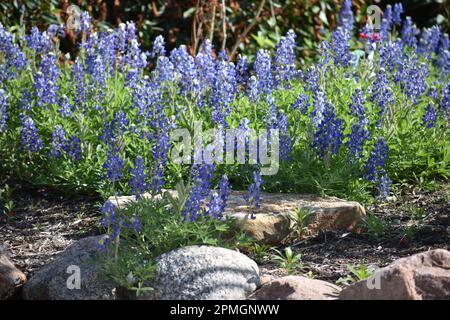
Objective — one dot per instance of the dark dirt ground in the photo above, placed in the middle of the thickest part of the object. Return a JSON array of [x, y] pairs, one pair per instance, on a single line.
[[43, 224]]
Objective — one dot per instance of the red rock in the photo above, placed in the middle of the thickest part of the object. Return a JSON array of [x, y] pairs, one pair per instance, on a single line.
[[10, 276], [424, 276]]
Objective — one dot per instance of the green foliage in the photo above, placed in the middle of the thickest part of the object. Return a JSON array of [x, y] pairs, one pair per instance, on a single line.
[[6, 202], [374, 226], [301, 218], [162, 229], [416, 154], [288, 260], [357, 273], [260, 252], [417, 218]]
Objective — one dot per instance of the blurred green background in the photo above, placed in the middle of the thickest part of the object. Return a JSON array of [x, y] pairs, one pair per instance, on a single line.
[[234, 25]]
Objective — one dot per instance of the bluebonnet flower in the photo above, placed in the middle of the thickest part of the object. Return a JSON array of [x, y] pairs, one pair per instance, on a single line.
[[429, 40], [284, 60], [218, 200], [147, 99], [56, 30], [357, 106], [85, 22], [113, 165], [391, 54], [223, 91], [107, 48], [186, 70], [397, 13], [135, 224], [358, 131], [159, 153], [95, 63], [136, 60], [278, 120], [263, 71], [346, 19], [205, 65], [59, 142], [202, 175], [253, 197], [383, 187], [433, 92], [121, 37], [409, 33], [112, 221], [312, 79], [109, 214], [252, 89], [329, 133], [377, 160], [340, 47], [355, 143], [164, 70], [319, 103], [272, 115], [301, 103], [223, 55], [65, 108], [78, 80], [443, 59], [386, 22], [285, 139], [137, 181], [126, 32], [4, 103], [444, 42], [39, 42], [322, 64], [444, 106], [381, 93], [115, 128], [46, 80], [14, 58], [242, 70], [412, 75], [429, 118], [29, 136], [158, 47], [243, 138], [73, 148], [25, 101]]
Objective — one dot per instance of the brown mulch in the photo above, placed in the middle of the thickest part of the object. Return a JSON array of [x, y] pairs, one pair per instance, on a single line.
[[43, 223]]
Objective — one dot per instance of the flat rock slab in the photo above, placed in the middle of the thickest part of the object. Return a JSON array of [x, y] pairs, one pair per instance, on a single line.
[[423, 276], [51, 282], [203, 273], [296, 288], [10, 276], [272, 223]]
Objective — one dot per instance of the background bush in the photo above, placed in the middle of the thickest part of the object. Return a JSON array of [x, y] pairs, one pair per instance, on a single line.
[[189, 21]]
